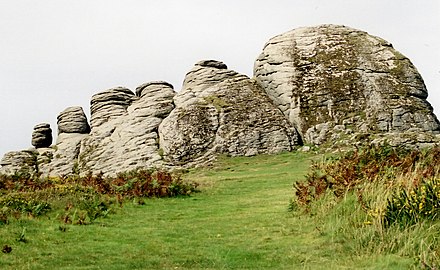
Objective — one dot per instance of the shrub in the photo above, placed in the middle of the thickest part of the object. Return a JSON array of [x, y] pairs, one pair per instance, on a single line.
[[24, 203], [412, 205], [377, 200]]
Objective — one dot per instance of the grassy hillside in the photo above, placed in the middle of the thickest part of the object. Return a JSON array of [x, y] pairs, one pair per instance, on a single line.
[[240, 219]]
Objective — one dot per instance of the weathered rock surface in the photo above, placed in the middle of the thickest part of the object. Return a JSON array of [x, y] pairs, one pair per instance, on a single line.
[[72, 129], [205, 73], [128, 138], [219, 111], [110, 104], [18, 162], [331, 81], [73, 120], [42, 136], [27, 162]]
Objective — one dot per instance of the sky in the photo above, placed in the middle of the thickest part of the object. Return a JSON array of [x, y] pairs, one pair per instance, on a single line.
[[58, 53]]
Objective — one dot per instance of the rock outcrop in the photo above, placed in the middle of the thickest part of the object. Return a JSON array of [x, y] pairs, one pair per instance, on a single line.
[[73, 127], [42, 136], [326, 85], [124, 133], [331, 81], [219, 111], [16, 162]]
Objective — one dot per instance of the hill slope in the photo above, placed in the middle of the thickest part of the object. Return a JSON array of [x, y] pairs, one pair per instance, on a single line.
[[239, 220]]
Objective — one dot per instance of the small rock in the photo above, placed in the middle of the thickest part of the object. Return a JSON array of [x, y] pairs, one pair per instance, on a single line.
[[305, 148], [6, 249]]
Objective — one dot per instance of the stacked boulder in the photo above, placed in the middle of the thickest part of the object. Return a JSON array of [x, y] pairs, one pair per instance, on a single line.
[[73, 120], [124, 134], [73, 127], [109, 104], [26, 161], [42, 136]]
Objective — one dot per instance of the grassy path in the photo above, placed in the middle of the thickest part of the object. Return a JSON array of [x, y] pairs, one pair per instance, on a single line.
[[238, 221]]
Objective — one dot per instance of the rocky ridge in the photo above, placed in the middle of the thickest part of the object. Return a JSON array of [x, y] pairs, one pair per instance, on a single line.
[[327, 85]]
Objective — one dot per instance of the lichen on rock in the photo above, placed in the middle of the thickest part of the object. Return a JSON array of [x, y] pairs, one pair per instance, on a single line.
[[219, 111], [321, 76]]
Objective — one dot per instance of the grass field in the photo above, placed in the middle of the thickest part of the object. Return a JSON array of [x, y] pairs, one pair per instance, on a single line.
[[239, 220]]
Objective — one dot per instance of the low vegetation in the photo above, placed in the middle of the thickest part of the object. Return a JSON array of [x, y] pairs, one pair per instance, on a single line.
[[373, 208], [81, 200], [385, 200]]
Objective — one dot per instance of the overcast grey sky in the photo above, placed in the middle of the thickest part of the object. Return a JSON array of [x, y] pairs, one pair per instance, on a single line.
[[58, 53]]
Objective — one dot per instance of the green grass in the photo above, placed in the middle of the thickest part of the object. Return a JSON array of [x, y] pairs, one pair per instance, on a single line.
[[239, 220]]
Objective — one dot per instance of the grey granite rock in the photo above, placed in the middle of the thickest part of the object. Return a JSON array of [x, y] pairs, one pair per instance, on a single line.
[[42, 136], [204, 74], [19, 162], [219, 111], [326, 85], [323, 76], [73, 120], [128, 140], [151, 88], [63, 158], [110, 104], [65, 154]]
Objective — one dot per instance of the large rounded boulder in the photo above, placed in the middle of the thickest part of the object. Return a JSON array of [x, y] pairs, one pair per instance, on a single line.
[[220, 111], [333, 81]]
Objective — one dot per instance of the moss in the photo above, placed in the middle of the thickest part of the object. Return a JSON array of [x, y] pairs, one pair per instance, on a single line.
[[160, 152], [218, 102], [328, 84]]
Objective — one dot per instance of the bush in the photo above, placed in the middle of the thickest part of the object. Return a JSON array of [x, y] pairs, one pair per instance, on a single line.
[[418, 203], [24, 203]]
